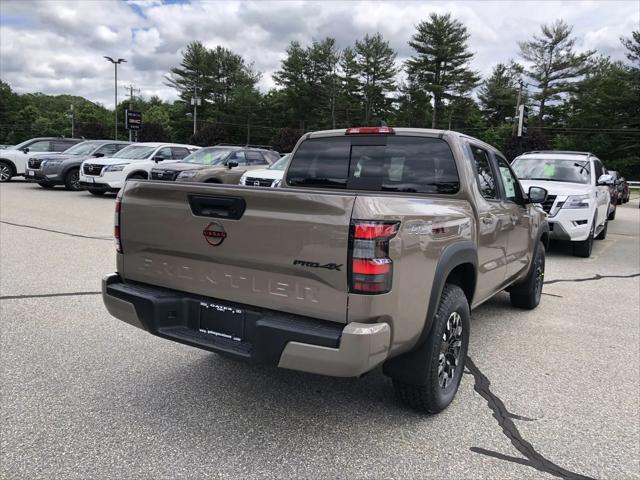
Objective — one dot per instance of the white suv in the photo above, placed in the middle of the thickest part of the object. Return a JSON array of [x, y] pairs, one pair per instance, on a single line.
[[108, 174], [578, 203], [268, 177]]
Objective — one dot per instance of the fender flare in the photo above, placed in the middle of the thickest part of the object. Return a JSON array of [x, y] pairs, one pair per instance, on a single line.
[[11, 164], [135, 172], [542, 229], [66, 168], [411, 367]]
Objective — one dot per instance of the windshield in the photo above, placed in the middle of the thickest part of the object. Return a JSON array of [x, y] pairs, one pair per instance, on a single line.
[[134, 152], [208, 156], [282, 163], [552, 169], [84, 148]]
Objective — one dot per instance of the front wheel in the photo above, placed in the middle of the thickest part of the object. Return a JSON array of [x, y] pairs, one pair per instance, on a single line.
[[446, 353], [528, 293], [97, 193], [72, 180], [583, 248], [6, 172]]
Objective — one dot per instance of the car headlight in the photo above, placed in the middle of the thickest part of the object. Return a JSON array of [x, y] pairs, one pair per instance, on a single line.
[[187, 174], [116, 168], [576, 201], [243, 180], [276, 183]]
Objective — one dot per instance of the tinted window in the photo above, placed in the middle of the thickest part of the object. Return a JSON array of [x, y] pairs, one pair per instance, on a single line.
[[60, 146], [509, 181], [486, 180], [238, 157], [179, 153], [321, 162], [255, 158], [404, 164]]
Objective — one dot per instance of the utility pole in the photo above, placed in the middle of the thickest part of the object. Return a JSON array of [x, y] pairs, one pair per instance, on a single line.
[[195, 101], [115, 105], [131, 99], [515, 123], [71, 114]]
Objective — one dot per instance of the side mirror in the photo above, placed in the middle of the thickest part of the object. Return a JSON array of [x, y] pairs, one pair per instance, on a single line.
[[158, 158], [605, 180], [25, 149], [537, 194], [232, 164], [98, 155]]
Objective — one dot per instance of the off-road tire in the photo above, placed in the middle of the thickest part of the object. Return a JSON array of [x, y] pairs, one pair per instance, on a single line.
[[603, 234], [72, 180], [431, 397], [46, 185], [583, 249], [6, 171], [97, 193], [527, 294]]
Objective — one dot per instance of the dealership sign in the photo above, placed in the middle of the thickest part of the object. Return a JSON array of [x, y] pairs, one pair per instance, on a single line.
[[133, 120]]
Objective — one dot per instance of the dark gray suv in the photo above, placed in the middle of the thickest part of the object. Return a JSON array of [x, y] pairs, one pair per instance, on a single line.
[[51, 169]]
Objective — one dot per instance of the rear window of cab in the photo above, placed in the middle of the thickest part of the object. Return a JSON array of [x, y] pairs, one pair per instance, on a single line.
[[377, 163]]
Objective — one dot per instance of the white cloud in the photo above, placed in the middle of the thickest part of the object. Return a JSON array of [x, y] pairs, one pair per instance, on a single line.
[[57, 46]]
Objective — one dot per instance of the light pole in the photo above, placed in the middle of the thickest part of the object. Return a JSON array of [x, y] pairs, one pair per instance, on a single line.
[[115, 108]]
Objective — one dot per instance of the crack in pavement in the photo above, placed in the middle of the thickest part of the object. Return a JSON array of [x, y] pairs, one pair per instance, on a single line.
[[597, 276], [56, 231], [510, 430], [46, 295]]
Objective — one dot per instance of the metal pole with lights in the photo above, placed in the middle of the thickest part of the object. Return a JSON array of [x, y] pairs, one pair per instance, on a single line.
[[115, 108]]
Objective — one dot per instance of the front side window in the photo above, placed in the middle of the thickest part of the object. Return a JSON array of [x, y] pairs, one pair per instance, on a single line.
[[178, 153], [553, 169], [255, 158], [486, 180], [164, 153], [509, 181], [238, 157], [40, 146], [109, 149], [84, 148]]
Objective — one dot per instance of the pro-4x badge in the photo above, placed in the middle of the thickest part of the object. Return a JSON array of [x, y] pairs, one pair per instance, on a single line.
[[214, 234], [328, 266]]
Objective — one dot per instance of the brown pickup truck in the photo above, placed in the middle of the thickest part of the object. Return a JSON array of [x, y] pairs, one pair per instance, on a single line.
[[373, 252]]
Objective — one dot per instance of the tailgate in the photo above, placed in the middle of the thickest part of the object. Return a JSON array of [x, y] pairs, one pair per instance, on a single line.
[[274, 248]]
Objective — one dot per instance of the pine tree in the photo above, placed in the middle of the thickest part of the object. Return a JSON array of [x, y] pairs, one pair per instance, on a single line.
[[633, 46], [441, 64], [377, 70], [349, 97], [498, 93], [293, 77], [555, 67]]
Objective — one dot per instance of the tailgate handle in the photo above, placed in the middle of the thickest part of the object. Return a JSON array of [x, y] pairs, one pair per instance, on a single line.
[[231, 208]]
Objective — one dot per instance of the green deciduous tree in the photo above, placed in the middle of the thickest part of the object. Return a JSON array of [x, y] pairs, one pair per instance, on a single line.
[[554, 66], [441, 63]]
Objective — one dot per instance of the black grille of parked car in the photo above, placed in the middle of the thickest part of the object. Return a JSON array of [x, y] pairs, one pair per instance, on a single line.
[[35, 162], [548, 203], [258, 182], [167, 175], [91, 169]]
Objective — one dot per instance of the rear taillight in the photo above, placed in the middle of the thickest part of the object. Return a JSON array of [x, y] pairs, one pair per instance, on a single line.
[[370, 268], [116, 227], [369, 131]]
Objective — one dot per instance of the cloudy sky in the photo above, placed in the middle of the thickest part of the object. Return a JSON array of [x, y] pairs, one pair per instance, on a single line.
[[56, 47]]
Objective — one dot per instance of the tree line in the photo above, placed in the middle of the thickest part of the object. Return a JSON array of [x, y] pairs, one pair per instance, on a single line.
[[577, 100]]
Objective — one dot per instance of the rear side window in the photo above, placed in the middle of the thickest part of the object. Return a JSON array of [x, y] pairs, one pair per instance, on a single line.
[[254, 158], [391, 164], [178, 153]]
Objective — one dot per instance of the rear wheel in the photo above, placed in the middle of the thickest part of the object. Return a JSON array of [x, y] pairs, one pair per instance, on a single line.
[[6, 171], [528, 293], [46, 185], [445, 353], [72, 180], [583, 248], [95, 192]]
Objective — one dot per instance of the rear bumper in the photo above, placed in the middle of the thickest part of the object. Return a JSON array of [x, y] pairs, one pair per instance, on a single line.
[[270, 337]]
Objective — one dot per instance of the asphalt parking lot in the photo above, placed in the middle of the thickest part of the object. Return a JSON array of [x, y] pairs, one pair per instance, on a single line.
[[549, 393]]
